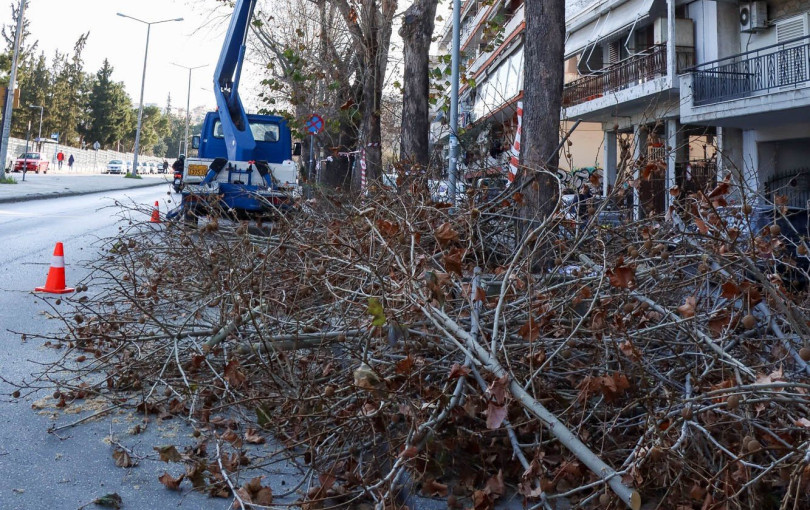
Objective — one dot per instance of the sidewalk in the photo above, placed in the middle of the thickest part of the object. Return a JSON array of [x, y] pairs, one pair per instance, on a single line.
[[55, 185]]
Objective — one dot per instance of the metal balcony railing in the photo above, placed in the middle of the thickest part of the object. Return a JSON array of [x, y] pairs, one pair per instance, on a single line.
[[780, 65], [641, 67]]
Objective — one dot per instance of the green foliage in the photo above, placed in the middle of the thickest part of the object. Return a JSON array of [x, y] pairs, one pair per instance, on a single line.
[[110, 109], [8, 180], [375, 309], [132, 176]]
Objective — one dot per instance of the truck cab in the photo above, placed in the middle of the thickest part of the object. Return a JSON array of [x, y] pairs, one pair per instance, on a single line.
[[269, 180]]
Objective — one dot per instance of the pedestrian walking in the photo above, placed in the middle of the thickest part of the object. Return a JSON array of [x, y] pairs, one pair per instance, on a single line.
[[70, 162], [60, 158]]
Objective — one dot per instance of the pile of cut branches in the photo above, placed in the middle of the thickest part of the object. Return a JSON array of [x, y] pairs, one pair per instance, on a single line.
[[396, 347]]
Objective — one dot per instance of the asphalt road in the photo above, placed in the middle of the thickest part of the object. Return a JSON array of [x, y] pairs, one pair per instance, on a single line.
[[41, 470], [72, 468]]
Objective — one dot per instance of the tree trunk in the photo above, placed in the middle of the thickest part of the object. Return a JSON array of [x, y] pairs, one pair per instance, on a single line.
[[416, 33], [371, 31], [543, 71]]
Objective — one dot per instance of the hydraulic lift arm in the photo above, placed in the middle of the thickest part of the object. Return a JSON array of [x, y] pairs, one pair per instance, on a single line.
[[238, 137]]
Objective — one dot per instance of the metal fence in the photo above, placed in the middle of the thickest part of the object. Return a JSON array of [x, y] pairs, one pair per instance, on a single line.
[[639, 68], [793, 185], [780, 65], [85, 161]]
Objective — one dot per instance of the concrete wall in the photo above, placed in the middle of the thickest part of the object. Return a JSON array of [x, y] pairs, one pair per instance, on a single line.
[[586, 146], [786, 9], [86, 161]]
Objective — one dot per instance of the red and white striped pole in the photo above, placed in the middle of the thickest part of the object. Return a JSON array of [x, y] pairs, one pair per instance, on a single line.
[[363, 168], [514, 160]]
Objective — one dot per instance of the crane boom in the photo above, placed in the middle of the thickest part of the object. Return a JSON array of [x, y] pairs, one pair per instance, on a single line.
[[239, 140]]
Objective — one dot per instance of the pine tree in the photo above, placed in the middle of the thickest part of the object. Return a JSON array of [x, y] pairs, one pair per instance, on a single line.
[[28, 46], [109, 109], [35, 84]]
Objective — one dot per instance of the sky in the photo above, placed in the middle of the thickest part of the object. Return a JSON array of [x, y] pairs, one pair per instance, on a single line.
[[197, 40]]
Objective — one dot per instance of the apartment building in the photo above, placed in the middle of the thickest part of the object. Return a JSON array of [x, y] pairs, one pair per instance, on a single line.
[[752, 83], [703, 87], [492, 35]]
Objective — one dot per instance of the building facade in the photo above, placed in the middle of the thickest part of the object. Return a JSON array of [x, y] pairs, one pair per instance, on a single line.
[[687, 91], [492, 34], [670, 92]]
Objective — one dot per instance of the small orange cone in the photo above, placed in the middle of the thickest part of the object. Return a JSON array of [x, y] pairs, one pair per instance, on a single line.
[[155, 213], [55, 284]]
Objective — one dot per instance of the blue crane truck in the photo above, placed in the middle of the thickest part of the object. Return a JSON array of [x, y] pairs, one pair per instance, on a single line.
[[244, 164]]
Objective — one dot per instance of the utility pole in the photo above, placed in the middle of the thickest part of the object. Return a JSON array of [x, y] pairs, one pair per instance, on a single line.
[[12, 82], [454, 79], [188, 108], [143, 83]]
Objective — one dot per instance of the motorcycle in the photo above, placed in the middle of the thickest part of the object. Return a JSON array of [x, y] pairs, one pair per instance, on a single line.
[[177, 185]]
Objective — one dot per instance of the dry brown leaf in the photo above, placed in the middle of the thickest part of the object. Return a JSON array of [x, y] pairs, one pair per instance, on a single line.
[[232, 437], [233, 375], [457, 371], [495, 485], [409, 452], [530, 331], [499, 388], [623, 277], [445, 234], [688, 308], [405, 366], [170, 482], [433, 488], [168, 453], [730, 290], [123, 459], [701, 226], [495, 415], [253, 437]]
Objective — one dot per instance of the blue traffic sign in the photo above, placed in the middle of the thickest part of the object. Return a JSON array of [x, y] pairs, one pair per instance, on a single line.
[[315, 125]]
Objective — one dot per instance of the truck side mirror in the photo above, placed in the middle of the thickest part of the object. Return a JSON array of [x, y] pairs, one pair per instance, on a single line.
[[297, 149], [195, 142]]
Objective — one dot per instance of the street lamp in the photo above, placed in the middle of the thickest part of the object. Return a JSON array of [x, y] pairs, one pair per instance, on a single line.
[[41, 110], [188, 101], [143, 82]]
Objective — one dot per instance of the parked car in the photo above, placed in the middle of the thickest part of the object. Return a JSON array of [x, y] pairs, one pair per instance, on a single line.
[[33, 162], [152, 167], [128, 164], [115, 166]]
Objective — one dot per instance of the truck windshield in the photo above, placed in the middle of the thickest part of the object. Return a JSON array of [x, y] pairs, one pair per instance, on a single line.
[[261, 132]]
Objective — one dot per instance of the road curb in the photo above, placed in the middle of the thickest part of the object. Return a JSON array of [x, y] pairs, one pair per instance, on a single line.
[[62, 194]]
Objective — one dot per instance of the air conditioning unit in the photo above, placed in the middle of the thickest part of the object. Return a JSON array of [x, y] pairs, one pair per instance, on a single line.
[[753, 16]]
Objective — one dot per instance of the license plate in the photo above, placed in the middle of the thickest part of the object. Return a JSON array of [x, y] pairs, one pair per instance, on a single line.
[[197, 170]]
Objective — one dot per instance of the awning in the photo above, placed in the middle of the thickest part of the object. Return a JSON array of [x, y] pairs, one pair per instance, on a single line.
[[610, 21]]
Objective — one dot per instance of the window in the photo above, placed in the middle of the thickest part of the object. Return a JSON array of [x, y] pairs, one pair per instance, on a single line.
[[29, 155], [261, 132]]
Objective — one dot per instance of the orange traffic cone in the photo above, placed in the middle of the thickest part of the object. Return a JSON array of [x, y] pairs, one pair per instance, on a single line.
[[55, 284], [155, 213]]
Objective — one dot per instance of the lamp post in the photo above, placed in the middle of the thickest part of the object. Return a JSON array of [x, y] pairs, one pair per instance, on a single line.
[[188, 105], [41, 111], [143, 82], [454, 84], [12, 80]]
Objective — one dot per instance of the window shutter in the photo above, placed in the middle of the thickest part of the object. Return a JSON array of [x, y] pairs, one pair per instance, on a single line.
[[791, 28]]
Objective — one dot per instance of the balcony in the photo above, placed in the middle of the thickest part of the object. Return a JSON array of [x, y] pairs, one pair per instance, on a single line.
[[641, 67], [773, 68]]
